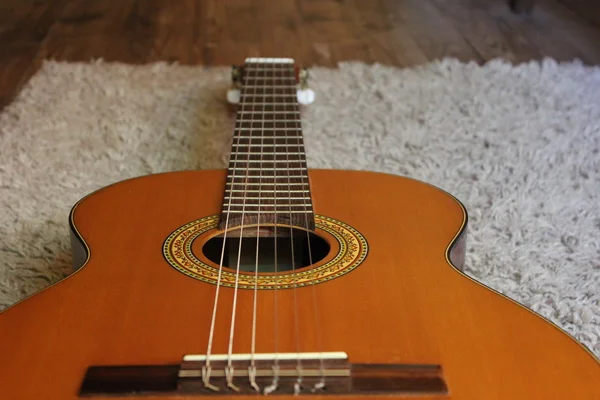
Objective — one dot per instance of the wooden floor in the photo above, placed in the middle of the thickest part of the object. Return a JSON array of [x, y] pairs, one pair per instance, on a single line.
[[315, 32]]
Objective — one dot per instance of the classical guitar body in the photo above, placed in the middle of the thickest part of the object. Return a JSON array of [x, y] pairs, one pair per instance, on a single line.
[[159, 309], [403, 304]]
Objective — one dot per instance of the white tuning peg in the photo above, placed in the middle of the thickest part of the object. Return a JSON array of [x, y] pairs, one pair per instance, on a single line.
[[233, 96], [305, 96]]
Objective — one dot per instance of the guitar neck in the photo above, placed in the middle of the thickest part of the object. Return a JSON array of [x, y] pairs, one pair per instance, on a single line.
[[267, 179]]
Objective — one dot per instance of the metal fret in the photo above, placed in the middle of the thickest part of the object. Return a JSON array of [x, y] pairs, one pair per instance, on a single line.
[[271, 212], [250, 138], [269, 207], [269, 120], [279, 96], [271, 86], [266, 184], [266, 197], [278, 153], [266, 104], [266, 78], [268, 169], [265, 170], [267, 145], [269, 129], [261, 113]]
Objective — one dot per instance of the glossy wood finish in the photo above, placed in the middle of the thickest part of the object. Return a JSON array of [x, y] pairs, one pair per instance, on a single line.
[[404, 304], [314, 32]]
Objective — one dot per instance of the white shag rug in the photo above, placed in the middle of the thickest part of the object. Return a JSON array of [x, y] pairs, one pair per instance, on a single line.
[[520, 146]]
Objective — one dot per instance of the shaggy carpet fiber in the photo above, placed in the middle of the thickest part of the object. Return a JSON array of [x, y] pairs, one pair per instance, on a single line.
[[518, 145]]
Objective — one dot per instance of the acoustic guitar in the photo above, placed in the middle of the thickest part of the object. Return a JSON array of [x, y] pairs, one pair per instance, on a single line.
[[271, 279]]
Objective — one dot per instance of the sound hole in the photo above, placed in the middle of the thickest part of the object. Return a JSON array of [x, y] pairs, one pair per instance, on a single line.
[[287, 239]]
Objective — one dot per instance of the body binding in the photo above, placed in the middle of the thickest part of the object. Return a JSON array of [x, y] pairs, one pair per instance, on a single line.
[[405, 303]]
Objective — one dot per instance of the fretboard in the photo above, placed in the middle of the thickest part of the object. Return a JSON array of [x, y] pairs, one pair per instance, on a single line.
[[267, 179]]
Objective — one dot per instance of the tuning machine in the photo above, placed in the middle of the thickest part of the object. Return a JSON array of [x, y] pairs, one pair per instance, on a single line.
[[304, 94], [233, 94]]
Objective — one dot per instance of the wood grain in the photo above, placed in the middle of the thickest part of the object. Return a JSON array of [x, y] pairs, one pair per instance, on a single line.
[[323, 32], [404, 304]]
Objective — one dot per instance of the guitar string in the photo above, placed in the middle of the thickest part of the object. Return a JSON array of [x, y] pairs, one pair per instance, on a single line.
[[298, 383], [206, 369], [229, 370], [321, 383], [252, 368], [275, 367]]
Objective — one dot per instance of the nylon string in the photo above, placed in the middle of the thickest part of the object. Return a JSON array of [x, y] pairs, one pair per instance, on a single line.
[[252, 368], [321, 384], [275, 368], [229, 370], [298, 383], [206, 369]]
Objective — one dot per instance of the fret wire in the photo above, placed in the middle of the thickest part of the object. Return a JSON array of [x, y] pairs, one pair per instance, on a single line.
[[276, 95], [273, 100], [260, 169], [267, 104], [278, 153], [268, 198], [266, 145], [271, 86], [265, 184], [275, 212], [254, 120], [250, 168], [273, 156], [261, 78], [272, 207], [280, 171], [282, 136], [270, 68], [269, 112], [280, 202], [299, 167], [268, 130]]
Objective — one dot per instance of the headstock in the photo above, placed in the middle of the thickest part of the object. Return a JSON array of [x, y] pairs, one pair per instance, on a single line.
[[305, 95]]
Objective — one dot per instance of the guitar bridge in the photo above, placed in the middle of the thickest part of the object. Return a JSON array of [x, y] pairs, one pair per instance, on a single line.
[[328, 373]]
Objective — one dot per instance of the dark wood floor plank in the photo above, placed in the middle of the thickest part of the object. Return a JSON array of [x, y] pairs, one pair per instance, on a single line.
[[232, 31], [315, 32], [432, 30], [24, 22], [91, 18], [115, 31], [548, 30], [588, 10], [490, 37], [176, 32], [579, 32], [371, 19], [15, 69], [282, 34], [24, 26], [321, 10]]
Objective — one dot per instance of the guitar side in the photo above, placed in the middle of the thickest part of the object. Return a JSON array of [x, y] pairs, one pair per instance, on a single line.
[[403, 304]]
